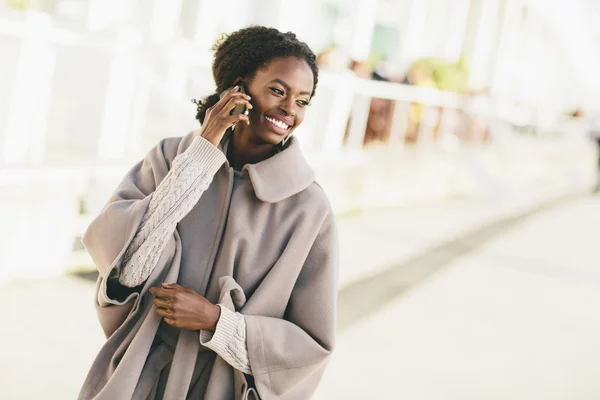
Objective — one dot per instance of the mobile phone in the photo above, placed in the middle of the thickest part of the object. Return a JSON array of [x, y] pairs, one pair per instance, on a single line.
[[240, 108]]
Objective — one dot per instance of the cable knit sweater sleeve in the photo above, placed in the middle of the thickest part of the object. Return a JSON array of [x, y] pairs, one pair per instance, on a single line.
[[229, 340], [190, 175]]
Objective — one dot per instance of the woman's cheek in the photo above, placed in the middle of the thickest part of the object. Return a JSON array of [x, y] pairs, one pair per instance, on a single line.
[[299, 118]]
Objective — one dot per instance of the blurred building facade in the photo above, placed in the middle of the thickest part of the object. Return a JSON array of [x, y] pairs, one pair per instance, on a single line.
[[103, 79], [88, 86]]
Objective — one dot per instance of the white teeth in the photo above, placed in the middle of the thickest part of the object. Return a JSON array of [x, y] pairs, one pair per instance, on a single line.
[[277, 122]]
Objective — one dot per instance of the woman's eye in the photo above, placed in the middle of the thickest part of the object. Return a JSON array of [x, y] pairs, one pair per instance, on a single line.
[[278, 91], [303, 103]]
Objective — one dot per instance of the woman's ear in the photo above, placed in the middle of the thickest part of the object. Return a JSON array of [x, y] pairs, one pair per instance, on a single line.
[[238, 81]]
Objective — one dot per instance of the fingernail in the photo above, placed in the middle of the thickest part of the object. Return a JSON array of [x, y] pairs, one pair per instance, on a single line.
[[250, 106], [166, 284]]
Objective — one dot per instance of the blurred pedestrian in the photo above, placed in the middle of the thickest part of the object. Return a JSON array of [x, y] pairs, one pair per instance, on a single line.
[[380, 110], [217, 252], [361, 68]]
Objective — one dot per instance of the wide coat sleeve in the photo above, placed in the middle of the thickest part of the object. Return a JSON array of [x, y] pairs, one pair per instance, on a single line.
[[288, 355]]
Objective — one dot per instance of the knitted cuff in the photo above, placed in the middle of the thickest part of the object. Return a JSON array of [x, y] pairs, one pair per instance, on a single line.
[[201, 151], [226, 340]]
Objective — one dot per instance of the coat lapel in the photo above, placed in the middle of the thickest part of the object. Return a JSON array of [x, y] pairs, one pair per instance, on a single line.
[[278, 177]]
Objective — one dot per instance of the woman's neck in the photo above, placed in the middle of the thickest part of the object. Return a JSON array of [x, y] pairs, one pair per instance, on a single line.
[[242, 151]]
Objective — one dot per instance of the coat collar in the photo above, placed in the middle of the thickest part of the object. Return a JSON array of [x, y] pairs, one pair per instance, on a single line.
[[280, 176]]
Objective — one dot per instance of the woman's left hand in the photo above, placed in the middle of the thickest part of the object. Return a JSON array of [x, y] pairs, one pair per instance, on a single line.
[[184, 308]]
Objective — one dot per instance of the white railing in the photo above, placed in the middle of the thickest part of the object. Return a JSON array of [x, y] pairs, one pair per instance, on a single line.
[[100, 101], [348, 99]]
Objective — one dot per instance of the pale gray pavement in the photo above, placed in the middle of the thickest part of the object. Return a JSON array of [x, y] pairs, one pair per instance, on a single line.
[[454, 310], [517, 318]]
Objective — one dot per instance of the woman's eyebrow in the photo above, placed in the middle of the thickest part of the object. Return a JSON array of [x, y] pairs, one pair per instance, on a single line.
[[286, 86]]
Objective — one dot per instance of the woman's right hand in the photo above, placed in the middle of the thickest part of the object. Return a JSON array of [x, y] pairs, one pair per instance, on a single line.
[[218, 119]]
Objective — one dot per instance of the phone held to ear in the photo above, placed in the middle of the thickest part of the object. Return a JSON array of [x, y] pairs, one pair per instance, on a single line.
[[240, 108]]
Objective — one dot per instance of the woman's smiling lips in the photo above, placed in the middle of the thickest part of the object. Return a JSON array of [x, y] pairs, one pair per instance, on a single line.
[[278, 124]]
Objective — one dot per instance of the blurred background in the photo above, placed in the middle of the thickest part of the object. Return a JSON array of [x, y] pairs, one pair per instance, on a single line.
[[457, 140]]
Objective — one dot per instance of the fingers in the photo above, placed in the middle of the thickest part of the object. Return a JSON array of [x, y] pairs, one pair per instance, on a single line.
[[172, 286], [242, 117], [164, 312], [225, 102], [163, 292], [162, 303], [175, 288], [221, 114], [218, 118], [163, 300], [232, 103]]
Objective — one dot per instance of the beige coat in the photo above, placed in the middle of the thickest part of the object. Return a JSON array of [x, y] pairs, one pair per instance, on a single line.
[[267, 249]]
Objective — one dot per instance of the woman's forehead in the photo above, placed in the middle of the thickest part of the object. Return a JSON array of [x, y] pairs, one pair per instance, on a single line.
[[291, 70]]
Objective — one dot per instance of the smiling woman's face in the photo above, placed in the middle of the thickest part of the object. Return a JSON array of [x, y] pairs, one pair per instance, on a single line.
[[280, 93]]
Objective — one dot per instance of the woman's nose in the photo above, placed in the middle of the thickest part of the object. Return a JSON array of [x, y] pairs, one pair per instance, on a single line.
[[287, 107]]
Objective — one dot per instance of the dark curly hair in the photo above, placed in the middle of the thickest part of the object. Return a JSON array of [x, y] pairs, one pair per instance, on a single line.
[[245, 51]]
